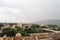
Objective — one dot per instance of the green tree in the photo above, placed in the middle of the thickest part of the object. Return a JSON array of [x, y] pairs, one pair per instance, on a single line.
[[35, 26], [31, 30], [53, 27], [43, 31], [43, 27], [9, 32], [1, 25], [19, 30]]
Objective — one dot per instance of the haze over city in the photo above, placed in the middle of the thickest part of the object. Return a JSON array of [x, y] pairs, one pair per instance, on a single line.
[[27, 11]]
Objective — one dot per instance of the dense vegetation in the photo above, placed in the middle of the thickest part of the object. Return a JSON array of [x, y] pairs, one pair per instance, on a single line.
[[12, 32], [26, 31]]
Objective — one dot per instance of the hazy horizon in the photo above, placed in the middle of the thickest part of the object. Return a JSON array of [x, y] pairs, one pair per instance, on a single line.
[[28, 11]]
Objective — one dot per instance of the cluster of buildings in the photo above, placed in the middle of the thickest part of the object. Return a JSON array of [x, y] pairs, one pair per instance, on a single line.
[[35, 36], [20, 25]]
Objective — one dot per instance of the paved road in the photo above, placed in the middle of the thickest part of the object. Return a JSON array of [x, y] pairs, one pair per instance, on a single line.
[[50, 30]]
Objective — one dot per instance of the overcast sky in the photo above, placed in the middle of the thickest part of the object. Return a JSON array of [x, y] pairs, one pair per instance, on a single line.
[[27, 11]]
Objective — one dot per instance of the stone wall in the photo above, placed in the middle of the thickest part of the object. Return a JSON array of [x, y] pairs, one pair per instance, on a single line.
[[42, 36]]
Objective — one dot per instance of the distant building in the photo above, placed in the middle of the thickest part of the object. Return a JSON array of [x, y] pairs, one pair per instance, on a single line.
[[20, 25]]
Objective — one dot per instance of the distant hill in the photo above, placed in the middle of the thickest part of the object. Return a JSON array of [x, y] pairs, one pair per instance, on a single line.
[[57, 22]]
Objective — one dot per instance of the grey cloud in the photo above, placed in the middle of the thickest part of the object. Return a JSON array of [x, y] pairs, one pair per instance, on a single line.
[[29, 10]]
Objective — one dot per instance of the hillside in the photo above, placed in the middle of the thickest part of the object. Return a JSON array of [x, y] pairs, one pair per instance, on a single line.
[[57, 22]]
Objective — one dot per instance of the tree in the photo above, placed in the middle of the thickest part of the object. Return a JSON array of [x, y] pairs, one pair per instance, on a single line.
[[19, 30], [43, 27], [30, 30], [1, 25], [11, 24], [35, 26], [9, 32], [1, 35], [52, 26], [43, 31]]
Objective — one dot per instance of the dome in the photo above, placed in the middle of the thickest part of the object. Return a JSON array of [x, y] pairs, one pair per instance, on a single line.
[[31, 34], [4, 36], [18, 35]]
